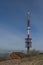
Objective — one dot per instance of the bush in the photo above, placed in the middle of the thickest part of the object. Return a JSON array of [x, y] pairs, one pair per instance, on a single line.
[[34, 52]]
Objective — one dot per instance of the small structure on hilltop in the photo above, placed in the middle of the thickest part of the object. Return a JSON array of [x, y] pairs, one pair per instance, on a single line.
[[28, 39]]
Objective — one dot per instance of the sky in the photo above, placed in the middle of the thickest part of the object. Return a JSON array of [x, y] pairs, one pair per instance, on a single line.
[[13, 22]]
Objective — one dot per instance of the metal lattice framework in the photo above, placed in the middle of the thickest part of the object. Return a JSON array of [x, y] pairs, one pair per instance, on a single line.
[[28, 39]]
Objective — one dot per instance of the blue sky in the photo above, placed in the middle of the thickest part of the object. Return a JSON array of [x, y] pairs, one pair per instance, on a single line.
[[13, 19]]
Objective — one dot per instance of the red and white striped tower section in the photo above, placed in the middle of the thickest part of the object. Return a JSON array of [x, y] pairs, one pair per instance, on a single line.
[[28, 39]]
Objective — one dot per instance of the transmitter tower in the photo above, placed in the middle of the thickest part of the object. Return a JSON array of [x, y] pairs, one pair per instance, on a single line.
[[28, 39]]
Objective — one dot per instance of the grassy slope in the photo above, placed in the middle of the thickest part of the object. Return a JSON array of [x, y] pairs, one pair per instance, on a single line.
[[30, 60]]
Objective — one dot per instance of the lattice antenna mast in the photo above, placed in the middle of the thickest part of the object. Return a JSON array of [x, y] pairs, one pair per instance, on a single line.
[[28, 39]]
